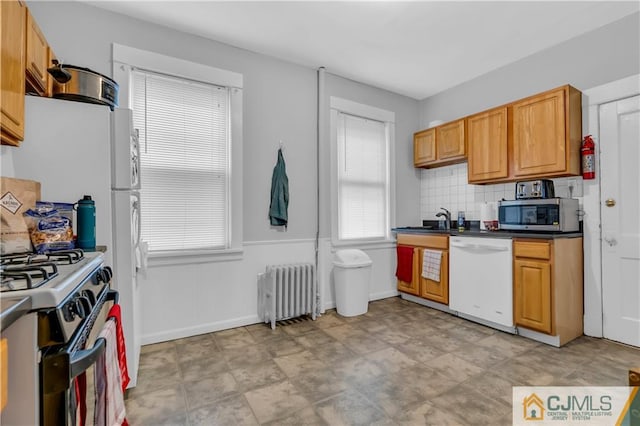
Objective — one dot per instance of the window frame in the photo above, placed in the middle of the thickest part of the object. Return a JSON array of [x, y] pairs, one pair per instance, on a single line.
[[125, 59], [340, 105]]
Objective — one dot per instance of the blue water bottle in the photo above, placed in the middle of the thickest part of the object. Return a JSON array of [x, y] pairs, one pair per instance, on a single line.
[[86, 213]]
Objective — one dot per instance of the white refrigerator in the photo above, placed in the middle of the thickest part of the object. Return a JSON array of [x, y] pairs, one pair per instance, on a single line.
[[75, 149]]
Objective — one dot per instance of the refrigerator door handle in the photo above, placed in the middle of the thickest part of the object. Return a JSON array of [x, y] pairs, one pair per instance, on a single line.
[[135, 206]]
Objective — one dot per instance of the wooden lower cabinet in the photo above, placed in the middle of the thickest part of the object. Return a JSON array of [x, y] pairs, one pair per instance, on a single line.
[[412, 287], [437, 291], [533, 294], [548, 286]]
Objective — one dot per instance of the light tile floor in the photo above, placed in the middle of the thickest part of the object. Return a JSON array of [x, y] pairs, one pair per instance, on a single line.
[[399, 364]]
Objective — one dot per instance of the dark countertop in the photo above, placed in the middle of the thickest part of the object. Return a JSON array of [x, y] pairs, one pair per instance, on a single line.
[[476, 232], [13, 309]]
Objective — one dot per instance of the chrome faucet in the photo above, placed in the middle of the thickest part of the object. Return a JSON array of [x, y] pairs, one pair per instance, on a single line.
[[447, 214]]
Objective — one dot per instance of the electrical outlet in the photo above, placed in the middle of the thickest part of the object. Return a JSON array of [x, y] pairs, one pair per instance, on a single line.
[[572, 185]]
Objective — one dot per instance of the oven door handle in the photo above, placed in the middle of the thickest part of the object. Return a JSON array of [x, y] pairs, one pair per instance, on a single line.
[[82, 360], [113, 296]]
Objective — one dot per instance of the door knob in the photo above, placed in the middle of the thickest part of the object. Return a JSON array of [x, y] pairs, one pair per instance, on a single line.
[[612, 242], [610, 202]]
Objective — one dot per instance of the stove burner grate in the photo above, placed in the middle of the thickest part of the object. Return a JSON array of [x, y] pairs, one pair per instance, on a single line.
[[34, 275], [63, 257]]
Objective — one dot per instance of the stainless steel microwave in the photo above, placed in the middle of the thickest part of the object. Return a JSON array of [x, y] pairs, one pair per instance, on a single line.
[[548, 214]]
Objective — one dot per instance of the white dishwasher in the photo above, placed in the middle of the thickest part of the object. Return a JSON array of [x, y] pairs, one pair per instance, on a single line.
[[481, 280]]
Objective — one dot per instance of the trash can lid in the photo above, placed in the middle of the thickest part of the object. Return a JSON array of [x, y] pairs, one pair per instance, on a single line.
[[351, 258]]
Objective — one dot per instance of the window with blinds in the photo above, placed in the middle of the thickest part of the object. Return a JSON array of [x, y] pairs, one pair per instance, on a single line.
[[185, 161], [363, 178]]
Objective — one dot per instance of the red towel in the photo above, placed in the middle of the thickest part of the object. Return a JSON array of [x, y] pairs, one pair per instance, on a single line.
[[81, 399], [110, 408], [404, 271], [116, 313]]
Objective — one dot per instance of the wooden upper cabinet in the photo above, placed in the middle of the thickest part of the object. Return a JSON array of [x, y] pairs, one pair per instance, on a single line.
[[535, 137], [37, 58], [547, 134], [13, 17], [487, 146], [424, 147], [440, 145], [450, 140], [50, 57]]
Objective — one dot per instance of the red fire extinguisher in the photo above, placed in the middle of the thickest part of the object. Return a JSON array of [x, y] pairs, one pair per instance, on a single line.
[[588, 152]]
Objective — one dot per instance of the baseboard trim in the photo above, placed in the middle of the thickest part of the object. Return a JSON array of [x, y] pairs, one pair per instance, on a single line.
[[506, 328], [540, 337], [383, 295], [427, 303], [373, 296], [180, 333]]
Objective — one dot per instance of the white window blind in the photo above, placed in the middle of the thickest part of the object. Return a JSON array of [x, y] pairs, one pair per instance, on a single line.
[[185, 157], [363, 175]]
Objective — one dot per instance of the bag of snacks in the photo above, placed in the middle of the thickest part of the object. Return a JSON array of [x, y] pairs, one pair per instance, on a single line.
[[64, 209], [16, 197], [49, 230]]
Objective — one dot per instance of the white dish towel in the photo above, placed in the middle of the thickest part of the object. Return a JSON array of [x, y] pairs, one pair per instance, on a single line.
[[431, 264], [110, 408]]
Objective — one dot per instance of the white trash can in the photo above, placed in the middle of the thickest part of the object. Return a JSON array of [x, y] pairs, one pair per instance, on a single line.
[[352, 274]]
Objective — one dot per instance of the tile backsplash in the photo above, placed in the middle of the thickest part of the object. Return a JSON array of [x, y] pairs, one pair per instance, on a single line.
[[447, 187]]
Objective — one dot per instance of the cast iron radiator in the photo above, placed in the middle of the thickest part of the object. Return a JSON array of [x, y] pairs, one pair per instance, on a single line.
[[287, 291]]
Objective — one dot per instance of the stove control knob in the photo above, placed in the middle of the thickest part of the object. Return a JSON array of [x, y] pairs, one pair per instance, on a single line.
[[104, 275], [89, 295], [68, 311], [81, 306]]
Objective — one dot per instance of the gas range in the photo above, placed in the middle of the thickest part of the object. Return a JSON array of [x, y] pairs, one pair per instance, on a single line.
[[47, 279], [57, 339]]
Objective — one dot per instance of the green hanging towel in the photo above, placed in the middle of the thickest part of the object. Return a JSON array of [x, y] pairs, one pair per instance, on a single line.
[[279, 194]]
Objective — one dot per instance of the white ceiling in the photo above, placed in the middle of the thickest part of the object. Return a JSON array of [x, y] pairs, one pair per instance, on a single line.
[[414, 48]]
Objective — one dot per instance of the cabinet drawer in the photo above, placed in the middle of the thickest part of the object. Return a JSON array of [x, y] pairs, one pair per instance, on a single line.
[[431, 241], [531, 249]]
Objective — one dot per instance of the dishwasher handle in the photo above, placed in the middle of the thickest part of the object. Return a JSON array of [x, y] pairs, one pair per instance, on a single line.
[[484, 247]]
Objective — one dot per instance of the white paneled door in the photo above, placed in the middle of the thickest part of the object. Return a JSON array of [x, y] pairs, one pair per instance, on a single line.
[[620, 213]]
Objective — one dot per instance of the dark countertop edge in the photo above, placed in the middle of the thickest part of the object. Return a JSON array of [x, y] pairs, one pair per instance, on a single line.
[[490, 234], [13, 309]]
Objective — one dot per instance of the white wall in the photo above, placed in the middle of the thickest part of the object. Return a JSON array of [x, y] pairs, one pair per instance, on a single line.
[[597, 57], [279, 100], [280, 104]]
